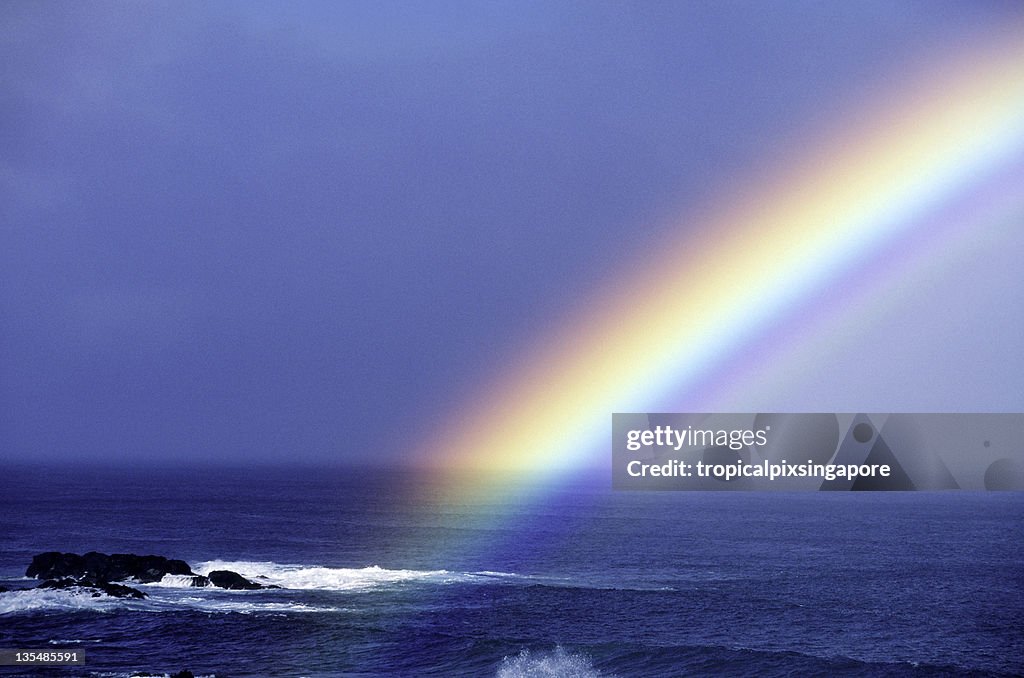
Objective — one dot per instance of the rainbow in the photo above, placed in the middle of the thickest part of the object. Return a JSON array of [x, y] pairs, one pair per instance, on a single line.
[[930, 162]]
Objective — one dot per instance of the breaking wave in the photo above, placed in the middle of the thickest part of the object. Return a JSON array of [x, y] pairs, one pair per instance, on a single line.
[[173, 592], [62, 599], [319, 578], [170, 581], [555, 664], [304, 577], [205, 599]]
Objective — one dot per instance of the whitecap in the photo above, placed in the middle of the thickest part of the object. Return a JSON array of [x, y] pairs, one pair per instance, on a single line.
[[60, 599], [304, 577], [171, 581], [57, 641], [555, 664], [242, 605]]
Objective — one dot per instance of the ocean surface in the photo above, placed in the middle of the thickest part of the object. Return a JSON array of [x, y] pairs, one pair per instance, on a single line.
[[379, 579]]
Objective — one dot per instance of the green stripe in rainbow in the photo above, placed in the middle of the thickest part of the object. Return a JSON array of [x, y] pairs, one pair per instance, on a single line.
[[741, 266]]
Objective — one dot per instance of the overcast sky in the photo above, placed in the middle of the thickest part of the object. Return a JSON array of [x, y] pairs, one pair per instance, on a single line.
[[260, 231]]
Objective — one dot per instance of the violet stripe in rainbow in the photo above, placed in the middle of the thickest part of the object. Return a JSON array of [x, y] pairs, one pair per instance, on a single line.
[[879, 182]]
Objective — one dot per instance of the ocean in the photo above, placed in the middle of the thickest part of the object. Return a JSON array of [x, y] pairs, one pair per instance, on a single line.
[[377, 578]]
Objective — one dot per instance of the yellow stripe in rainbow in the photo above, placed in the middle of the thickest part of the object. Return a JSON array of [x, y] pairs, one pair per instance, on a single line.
[[758, 254]]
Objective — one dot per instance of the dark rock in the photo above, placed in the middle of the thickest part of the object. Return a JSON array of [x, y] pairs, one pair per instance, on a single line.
[[183, 674], [53, 564], [96, 567], [120, 591], [97, 571], [113, 590], [226, 579]]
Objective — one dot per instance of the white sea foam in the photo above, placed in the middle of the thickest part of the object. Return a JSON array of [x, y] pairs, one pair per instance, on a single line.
[[60, 599], [167, 600], [318, 578], [171, 581], [555, 664], [217, 603], [65, 601], [173, 592], [59, 641], [324, 578]]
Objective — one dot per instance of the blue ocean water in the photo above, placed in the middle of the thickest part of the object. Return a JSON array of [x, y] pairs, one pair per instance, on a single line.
[[379, 580]]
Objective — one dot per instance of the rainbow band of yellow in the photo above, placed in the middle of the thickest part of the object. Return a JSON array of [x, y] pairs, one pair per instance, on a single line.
[[754, 256]]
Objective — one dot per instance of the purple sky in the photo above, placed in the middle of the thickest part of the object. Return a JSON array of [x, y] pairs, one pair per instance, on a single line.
[[248, 231]]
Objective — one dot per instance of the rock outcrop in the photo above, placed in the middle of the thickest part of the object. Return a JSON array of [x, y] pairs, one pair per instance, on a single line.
[[226, 579], [97, 589], [100, 567], [99, 573]]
